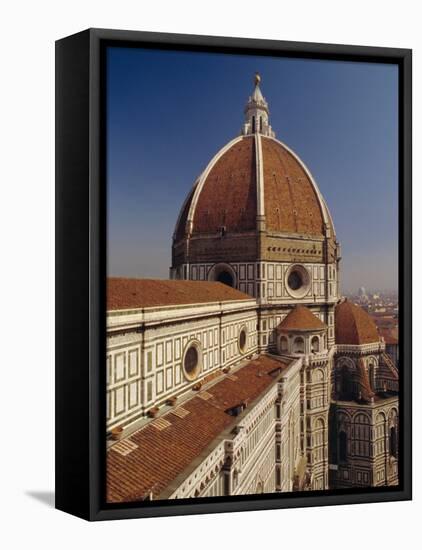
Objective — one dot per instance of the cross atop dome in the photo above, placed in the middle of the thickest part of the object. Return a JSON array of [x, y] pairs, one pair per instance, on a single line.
[[257, 113]]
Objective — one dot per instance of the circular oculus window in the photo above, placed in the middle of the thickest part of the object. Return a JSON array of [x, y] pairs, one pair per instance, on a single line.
[[192, 360], [295, 280], [298, 281], [242, 340]]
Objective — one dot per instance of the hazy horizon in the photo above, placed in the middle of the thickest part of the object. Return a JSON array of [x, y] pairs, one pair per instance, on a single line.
[[168, 113]]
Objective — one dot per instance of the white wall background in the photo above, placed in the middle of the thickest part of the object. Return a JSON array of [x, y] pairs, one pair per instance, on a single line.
[[27, 270]]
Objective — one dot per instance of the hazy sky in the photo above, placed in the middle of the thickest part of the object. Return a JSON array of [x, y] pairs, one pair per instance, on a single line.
[[170, 112]]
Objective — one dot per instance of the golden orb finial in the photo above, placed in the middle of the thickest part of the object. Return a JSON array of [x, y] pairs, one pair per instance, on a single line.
[[257, 79]]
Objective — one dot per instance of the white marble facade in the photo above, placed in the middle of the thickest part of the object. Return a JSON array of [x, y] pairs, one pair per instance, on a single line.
[[267, 280], [145, 367]]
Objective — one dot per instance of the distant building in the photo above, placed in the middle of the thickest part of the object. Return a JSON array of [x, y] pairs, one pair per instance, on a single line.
[[246, 373], [362, 296]]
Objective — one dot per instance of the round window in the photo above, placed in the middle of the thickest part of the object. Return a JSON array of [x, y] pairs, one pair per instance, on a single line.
[[242, 340], [226, 278], [297, 281], [223, 273], [191, 361]]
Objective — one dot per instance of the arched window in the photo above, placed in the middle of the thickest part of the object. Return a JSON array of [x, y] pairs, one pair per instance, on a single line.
[[284, 346], [298, 345], [315, 344], [346, 382], [235, 478], [342, 447], [393, 441], [291, 446], [371, 370], [253, 124], [260, 124]]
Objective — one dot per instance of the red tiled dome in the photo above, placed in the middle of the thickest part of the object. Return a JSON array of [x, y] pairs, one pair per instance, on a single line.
[[302, 319], [228, 196], [353, 325], [229, 191], [292, 204]]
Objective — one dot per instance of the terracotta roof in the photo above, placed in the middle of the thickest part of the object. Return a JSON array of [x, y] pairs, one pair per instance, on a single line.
[[301, 318], [390, 334], [353, 325], [291, 203], [138, 293], [161, 455], [228, 196], [229, 193]]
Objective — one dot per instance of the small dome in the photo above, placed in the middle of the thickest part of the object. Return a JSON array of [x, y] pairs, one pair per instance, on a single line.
[[353, 325], [301, 319]]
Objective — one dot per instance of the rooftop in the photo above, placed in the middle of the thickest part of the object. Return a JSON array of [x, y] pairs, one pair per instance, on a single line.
[[228, 194], [353, 325], [160, 451], [390, 334], [125, 293], [301, 318]]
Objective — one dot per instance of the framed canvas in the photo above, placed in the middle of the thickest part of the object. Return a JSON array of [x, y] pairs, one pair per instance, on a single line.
[[233, 276]]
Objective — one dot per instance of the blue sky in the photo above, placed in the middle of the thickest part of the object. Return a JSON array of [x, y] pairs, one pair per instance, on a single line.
[[170, 112]]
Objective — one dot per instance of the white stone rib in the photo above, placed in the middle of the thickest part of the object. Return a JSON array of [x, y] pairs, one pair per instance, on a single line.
[[188, 196], [203, 177], [260, 210]]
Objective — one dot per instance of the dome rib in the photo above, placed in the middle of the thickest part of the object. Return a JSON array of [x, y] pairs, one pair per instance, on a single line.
[[260, 191], [227, 197], [180, 227], [300, 318], [255, 183], [202, 180]]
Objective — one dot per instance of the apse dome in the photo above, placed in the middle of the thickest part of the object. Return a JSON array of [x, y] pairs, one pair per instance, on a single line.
[[353, 325]]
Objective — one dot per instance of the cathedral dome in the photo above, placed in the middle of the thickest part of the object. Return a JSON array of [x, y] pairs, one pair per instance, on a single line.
[[353, 325], [253, 183]]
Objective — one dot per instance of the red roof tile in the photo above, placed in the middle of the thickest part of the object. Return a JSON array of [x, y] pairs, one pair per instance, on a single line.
[[291, 203], [390, 334], [228, 196], [139, 293], [162, 455], [353, 325], [229, 193], [301, 318]]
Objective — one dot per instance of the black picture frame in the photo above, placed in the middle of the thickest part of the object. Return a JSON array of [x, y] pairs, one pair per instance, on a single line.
[[81, 271]]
